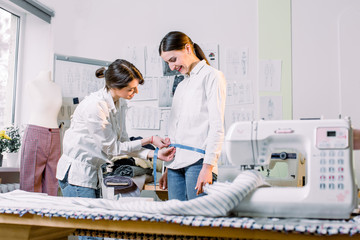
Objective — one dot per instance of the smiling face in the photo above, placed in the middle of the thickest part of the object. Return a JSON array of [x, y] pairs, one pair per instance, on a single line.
[[180, 60], [127, 92]]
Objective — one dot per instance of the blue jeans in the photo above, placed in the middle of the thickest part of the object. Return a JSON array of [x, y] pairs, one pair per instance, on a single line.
[[69, 190], [182, 182]]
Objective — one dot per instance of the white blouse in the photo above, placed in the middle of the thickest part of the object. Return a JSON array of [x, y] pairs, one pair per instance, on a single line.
[[97, 133], [197, 116]]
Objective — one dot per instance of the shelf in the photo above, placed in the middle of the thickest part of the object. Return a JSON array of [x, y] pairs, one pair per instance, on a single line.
[[9, 169]]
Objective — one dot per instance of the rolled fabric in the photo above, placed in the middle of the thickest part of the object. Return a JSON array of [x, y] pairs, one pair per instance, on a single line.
[[121, 184], [131, 171]]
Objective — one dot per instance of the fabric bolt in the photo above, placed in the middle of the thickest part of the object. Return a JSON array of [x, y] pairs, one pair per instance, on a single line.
[[40, 153], [108, 168], [122, 184], [131, 171], [126, 181]]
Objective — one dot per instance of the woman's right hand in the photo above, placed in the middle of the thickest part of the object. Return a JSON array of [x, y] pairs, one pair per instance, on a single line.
[[166, 154]]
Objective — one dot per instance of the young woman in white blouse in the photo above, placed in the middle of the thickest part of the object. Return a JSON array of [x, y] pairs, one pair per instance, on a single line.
[[97, 132], [196, 119]]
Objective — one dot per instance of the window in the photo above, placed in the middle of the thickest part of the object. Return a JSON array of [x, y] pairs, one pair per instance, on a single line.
[[9, 39]]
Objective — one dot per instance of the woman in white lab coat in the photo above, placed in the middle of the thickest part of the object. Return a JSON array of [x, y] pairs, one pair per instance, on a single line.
[[196, 120], [97, 132]]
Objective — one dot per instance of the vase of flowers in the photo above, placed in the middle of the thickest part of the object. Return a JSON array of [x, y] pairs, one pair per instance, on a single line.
[[4, 139], [11, 143]]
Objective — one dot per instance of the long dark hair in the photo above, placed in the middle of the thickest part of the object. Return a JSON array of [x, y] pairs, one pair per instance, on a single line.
[[176, 41], [119, 74]]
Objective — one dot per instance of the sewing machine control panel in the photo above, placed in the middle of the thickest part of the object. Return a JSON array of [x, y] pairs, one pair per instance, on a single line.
[[333, 144], [330, 138], [332, 169]]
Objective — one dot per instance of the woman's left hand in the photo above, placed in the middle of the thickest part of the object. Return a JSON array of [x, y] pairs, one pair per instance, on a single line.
[[160, 142], [166, 154], [205, 176]]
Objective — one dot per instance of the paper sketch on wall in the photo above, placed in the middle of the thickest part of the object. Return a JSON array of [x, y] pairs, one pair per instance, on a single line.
[[144, 117], [165, 115], [77, 79], [270, 75], [237, 62], [239, 92], [271, 107], [165, 91], [148, 90], [235, 114], [244, 62], [153, 62], [136, 55], [211, 51]]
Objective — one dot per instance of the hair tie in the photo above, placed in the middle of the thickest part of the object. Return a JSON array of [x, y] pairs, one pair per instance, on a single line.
[[104, 71]]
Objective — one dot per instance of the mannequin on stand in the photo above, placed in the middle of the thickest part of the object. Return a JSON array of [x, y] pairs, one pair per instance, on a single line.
[[41, 147]]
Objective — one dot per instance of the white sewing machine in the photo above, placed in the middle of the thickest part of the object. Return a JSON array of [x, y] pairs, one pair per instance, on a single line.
[[329, 191]]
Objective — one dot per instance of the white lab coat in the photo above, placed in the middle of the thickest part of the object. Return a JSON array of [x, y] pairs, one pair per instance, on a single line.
[[197, 116], [96, 134]]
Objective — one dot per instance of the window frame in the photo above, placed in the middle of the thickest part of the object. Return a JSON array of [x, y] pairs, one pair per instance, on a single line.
[[18, 55]]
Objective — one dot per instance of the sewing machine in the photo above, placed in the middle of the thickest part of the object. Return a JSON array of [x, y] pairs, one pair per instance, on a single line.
[[329, 189]]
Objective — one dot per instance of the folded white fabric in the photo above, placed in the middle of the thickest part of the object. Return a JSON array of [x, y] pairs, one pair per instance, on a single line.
[[221, 199]]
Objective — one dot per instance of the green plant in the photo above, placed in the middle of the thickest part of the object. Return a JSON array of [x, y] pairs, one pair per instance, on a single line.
[[14, 142], [4, 139]]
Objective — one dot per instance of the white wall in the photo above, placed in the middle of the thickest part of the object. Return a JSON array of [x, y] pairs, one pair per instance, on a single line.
[[317, 64], [101, 29], [98, 29], [326, 50]]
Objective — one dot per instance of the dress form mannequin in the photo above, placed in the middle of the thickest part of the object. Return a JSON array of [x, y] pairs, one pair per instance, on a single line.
[[41, 147], [45, 98]]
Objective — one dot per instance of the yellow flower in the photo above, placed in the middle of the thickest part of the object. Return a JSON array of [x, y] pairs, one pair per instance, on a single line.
[[3, 135]]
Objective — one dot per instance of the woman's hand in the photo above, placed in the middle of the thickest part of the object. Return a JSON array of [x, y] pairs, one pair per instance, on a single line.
[[163, 181], [166, 154], [159, 142], [205, 176]]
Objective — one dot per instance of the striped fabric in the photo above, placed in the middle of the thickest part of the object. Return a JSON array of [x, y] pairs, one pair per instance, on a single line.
[[222, 198], [41, 150]]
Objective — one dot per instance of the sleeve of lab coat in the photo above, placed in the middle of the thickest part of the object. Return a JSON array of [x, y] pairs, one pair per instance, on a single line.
[[215, 88]]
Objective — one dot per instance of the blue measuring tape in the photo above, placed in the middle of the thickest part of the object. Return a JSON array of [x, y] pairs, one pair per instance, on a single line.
[[176, 146]]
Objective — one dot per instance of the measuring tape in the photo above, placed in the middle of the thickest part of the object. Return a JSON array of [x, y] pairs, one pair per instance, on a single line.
[[176, 146]]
